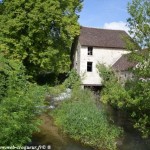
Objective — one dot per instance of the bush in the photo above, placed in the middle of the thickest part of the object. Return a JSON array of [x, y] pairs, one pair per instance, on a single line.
[[82, 120], [133, 97], [56, 90], [19, 104], [113, 92], [73, 80]]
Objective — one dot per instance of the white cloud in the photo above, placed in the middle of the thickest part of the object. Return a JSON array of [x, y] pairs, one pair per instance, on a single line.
[[116, 26]]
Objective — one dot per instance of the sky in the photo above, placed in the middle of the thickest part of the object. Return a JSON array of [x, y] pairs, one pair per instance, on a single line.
[[108, 14]]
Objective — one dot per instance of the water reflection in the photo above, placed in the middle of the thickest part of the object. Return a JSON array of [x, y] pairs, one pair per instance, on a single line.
[[132, 139], [134, 142], [50, 135]]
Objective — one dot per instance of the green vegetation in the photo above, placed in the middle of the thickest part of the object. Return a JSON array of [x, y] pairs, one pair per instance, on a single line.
[[35, 37], [113, 92], [139, 88], [19, 104], [73, 80], [56, 90], [40, 33], [132, 97], [138, 22], [80, 118]]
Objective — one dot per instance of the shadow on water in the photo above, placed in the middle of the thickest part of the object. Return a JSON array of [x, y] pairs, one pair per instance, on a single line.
[[132, 139], [50, 135]]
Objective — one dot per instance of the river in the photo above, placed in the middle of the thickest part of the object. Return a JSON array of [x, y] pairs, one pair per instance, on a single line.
[[50, 135], [132, 139]]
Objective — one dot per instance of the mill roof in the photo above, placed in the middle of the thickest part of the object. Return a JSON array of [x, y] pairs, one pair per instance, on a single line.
[[123, 63], [105, 38]]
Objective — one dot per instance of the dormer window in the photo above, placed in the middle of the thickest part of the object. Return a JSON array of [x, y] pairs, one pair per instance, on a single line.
[[90, 50]]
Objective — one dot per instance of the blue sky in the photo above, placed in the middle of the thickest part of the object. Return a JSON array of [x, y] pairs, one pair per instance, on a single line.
[[111, 14]]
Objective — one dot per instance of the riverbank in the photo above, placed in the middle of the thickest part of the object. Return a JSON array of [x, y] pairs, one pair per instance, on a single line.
[[50, 134], [83, 121]]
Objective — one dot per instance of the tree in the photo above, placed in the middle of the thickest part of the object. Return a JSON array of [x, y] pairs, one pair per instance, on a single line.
[[39, 33], [134, 96], [139, 25], [19, 104], [139, 22]]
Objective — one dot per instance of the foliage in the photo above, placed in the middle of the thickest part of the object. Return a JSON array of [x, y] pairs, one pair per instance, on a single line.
[[106, 73], [56, 90], [113, 92], [132, 97], [19, 104], [82, 120], [139, 24], [73, 80], [140, 105], [39, 33]]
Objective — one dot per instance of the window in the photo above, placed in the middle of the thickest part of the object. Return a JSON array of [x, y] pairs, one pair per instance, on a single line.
[[89, 66], [90, 50]]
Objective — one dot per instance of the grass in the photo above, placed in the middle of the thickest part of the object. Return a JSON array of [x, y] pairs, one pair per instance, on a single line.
[[80, 118]]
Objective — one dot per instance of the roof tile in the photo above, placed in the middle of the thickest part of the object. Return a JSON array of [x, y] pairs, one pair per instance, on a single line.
[[102, 37], [123, 63]]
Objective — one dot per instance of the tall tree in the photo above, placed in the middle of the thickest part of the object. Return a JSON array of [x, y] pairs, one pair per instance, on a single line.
[[39, 33], [139, 22], [134, 95], [139, 25], [20, 103]]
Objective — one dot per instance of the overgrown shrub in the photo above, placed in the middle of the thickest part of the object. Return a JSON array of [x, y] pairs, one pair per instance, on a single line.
[[73, 79], [20, 103], [113, 92], [82, 120], [133, 97], [56, 90]]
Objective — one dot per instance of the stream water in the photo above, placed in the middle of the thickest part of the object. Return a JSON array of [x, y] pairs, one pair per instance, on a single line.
[[50, 135], [132, 139]]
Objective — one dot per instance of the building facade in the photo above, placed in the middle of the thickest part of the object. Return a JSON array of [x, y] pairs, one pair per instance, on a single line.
[[95, 46]]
